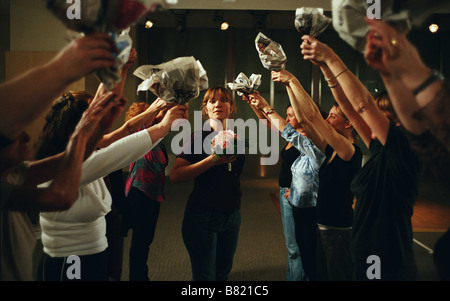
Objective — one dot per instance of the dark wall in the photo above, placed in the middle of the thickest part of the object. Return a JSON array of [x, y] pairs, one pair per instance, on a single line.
[[225, 54]]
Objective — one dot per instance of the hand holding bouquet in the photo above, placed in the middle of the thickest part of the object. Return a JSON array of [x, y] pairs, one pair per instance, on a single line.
[[112, 17], [225, 144]]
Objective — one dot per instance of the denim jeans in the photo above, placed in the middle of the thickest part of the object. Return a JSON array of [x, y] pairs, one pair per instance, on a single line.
[[211, 240], [294, 270]]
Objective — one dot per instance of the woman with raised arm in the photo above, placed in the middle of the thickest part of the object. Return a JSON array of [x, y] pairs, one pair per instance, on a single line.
[[299, 184], [19, 193], [342, 162], [212, 216], [81, 229], [386, 188]]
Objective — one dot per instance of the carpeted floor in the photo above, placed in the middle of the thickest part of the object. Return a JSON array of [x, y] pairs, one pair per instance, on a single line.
[[261, 253]]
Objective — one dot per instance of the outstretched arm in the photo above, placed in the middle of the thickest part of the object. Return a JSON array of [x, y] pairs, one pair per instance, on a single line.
[[21, 105], [302, 103], [360, 98], [134, 124], [402, 71], [312, 49], [62, 192]]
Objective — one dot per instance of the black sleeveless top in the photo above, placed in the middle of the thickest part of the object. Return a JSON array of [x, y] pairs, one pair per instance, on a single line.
[[288, 157]]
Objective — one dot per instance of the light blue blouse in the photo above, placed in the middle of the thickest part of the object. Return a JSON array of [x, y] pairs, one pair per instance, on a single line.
[[305, 170]]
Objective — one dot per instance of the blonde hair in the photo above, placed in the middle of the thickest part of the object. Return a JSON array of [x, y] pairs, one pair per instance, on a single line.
[[384, 103]]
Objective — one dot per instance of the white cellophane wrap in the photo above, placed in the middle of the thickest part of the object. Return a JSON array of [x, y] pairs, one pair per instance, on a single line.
[[271, 53], [311, 21], [349, 20], [245, 85], [178, 81]]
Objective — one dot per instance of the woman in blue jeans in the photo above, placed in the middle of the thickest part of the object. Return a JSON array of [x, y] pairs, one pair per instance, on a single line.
[[212, 216], [289, 154]]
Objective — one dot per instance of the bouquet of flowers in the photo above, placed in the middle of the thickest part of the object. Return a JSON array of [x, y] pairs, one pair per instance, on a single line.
[[113, 17], [178, 81], [349, 20], [244, 85], [311, 21], [225, 143], [271, 53]]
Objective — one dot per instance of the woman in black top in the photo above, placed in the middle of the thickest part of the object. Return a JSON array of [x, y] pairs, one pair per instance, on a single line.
[[212, 217], [386, 188]]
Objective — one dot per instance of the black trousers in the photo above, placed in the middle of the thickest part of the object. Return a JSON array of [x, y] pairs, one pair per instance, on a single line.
[[144, 216], [92, 267], [306, 236]]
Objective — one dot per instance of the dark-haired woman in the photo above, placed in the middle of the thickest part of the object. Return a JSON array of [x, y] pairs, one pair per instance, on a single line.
[[386, 188], [81, 230], [212, 217]]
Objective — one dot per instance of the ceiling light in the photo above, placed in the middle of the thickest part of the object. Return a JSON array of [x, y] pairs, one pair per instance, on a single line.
[[224, 26], [433, 28]]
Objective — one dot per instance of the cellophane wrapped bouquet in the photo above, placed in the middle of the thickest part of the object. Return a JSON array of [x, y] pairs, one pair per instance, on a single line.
[[178, 81], [311, 21], [245, 85], [271, 53], [113, 17], [225, 143]]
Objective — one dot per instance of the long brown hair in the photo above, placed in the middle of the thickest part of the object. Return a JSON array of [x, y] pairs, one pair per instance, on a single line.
[[64, 116]]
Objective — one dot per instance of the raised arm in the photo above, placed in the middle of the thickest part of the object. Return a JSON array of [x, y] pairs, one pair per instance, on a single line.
[[20, 105], [402, 71], [62, 192], [284, 77], [314, 51], [134, 124], [360, 98], [302, 103]]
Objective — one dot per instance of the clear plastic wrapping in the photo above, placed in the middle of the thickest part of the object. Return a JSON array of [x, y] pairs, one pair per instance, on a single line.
[[178, 81]]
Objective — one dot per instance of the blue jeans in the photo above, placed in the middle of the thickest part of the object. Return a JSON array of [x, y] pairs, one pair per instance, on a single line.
[[211, 240], [295, 270]]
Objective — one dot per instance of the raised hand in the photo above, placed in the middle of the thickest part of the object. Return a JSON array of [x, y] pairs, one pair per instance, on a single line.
[[282, 77], [390, 52], [318, 53], [132, 59], [84, 56]]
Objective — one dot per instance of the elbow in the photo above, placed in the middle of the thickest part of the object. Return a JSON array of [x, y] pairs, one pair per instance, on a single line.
[[64, 200], [364, 104], [174, 178]]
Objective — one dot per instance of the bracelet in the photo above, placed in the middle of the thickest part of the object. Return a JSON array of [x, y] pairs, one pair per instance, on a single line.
[[334, 77], [268, 112], [333, 86], [436, 75]]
